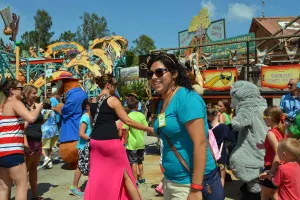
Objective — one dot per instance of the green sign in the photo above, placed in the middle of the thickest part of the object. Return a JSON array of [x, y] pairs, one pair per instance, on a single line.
[[224, 51]]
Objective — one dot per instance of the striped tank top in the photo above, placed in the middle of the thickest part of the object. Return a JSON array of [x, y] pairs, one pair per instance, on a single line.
[[11, 135]]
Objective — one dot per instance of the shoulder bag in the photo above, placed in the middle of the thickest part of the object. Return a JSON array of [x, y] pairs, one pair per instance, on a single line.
[[84, 160]]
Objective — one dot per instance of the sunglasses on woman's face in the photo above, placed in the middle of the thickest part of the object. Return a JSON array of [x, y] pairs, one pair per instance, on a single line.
[[19, 88], [159, 72]]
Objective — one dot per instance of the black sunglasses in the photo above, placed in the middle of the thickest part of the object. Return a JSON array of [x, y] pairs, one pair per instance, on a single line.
[[19, 88], [159, 72], [291, 84]]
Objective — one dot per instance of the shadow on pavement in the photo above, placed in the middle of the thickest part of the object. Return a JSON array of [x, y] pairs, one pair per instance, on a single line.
[[42, 189], [66, 166]]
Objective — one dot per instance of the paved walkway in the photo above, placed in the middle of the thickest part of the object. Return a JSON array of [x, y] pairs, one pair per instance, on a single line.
[[53, 184]]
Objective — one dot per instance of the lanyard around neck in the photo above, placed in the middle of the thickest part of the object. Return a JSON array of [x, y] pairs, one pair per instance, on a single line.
[[169, 100]]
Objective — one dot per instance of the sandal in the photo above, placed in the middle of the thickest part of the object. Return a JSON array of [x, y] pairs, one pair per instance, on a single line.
[[38, 198]]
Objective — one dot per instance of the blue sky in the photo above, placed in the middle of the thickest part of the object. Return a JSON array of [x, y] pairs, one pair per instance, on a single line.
[[159, 19]]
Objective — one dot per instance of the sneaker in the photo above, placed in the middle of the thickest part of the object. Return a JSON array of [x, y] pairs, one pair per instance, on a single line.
[[159, 190], [50, 165], [142, 180], [46, 161], [76, 192]]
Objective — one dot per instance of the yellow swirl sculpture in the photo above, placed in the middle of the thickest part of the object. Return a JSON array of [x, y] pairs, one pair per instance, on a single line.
[[202, 19]]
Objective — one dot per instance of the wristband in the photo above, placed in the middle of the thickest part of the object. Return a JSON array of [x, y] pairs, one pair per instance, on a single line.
[[196, 187]]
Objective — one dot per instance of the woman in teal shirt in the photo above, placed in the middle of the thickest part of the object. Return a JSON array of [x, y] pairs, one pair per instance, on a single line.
[[182, 118]]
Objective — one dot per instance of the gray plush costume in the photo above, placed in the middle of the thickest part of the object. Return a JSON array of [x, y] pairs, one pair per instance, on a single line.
[[246, 160]]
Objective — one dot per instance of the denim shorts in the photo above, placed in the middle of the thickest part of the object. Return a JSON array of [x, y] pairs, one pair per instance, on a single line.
[[12, 160]]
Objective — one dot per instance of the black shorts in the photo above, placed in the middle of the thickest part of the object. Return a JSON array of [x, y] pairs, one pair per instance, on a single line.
[[135, 156], [12, 160], [266, 182]]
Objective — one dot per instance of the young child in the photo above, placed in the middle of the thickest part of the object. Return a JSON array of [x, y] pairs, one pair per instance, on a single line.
[[287, 177], [135, 145], [273, 119], [50, 134], [222, 134], [84, 134]]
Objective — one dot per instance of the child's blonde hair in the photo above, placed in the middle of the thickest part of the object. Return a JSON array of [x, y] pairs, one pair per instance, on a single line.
[[291, 146]]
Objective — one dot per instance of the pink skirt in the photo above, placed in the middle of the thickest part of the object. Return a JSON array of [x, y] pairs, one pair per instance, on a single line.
[[108, 161]]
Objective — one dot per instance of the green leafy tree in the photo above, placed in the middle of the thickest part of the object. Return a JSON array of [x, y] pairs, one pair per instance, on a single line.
[[143, 44], [67, 36], [29, 39], [136, 86], [40, 37], [43, 24], [92, 27], [131, 59]]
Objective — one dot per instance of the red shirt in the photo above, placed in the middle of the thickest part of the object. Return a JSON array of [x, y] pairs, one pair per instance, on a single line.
[[287, 179], [270, 153]]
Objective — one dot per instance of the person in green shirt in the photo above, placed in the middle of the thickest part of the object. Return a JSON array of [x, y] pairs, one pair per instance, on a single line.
[[134, 143]]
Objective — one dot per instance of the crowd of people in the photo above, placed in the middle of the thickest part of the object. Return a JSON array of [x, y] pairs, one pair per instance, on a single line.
[[202, 144]]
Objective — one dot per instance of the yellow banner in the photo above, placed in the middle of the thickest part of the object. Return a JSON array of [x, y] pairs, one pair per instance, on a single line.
[[277, 77], [219, 79], [63, 47]]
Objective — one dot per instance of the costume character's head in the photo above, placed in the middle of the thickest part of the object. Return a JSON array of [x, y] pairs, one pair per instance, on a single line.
[[71, 113], [246, 160]]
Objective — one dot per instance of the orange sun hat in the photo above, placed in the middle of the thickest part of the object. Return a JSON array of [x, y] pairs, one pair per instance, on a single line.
[[65, 75]]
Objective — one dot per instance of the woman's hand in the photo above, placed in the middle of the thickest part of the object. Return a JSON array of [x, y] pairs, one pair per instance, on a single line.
[[27, 150], [195, 195]]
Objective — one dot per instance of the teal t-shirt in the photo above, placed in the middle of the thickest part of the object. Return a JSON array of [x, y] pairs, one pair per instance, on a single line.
[[186, 105], [84, 119], [136, 139]]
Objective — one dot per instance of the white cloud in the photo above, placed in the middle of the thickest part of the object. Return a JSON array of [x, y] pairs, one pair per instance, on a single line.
[[211, 8], [240, 11]]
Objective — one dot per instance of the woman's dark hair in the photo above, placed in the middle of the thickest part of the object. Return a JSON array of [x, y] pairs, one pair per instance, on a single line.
[[173, 65], [226, 104], [84, 104], [5, 89], [7, 85], [101, 81]]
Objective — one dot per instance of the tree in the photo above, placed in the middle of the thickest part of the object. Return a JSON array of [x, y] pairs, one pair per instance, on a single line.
[[43, 24], [67, 36], [40, 37], [92, 27], [143, 44], [131, 59], [29, 39], [135, 86]]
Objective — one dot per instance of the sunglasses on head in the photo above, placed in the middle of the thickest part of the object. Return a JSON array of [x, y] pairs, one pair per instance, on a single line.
[[159, 72]]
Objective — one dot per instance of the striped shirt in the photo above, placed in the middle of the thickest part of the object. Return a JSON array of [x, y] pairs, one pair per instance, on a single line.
[[11, 135]]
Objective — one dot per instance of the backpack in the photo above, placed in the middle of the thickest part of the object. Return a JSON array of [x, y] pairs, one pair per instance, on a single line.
[[213, 144]]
